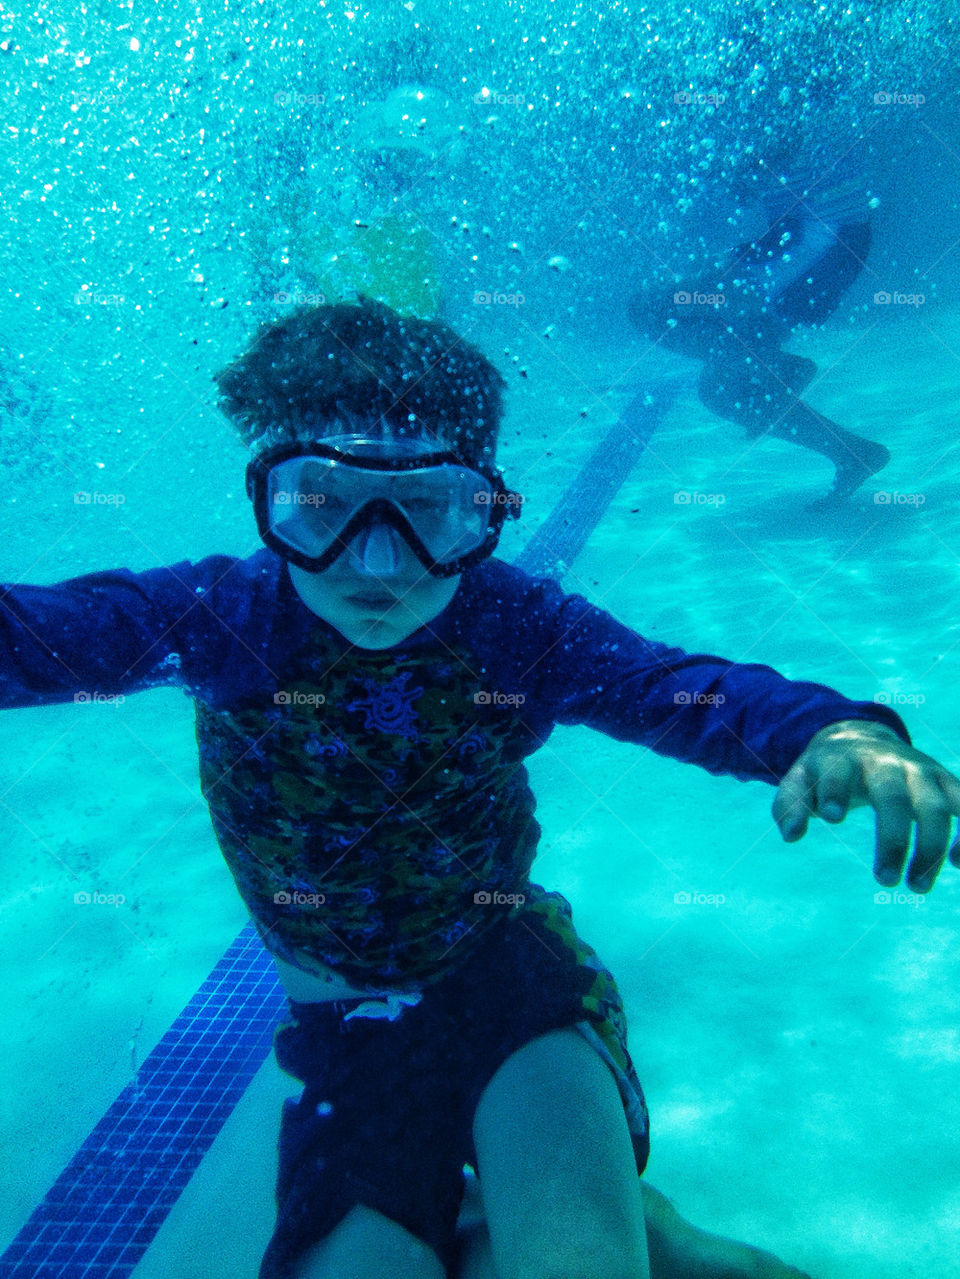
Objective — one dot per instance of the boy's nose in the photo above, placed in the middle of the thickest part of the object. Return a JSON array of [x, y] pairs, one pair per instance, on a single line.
[[377, 551]]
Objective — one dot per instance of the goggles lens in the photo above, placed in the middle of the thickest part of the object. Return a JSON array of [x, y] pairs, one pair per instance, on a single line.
[[310, 501]]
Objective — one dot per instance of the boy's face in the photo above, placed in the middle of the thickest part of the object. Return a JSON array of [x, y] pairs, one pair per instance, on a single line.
[[377, 592], [375, 600]]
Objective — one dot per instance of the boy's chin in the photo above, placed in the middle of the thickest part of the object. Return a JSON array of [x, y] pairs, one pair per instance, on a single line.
[[378, 635]]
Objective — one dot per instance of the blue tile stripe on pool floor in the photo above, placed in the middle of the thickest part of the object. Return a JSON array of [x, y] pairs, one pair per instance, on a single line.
[[103, 1211], [101, 1214]]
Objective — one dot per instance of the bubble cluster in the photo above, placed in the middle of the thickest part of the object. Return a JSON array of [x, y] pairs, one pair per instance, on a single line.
[[176, 176]]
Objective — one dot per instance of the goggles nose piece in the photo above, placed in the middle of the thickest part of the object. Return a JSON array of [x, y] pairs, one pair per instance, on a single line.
[[377, 550]]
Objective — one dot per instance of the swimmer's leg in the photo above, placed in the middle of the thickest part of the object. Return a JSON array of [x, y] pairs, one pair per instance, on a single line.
[[677, 1249], [764, 397], [855, 458]]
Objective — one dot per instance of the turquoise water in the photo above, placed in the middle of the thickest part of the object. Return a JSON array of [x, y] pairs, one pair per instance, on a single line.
[[798, 1041]]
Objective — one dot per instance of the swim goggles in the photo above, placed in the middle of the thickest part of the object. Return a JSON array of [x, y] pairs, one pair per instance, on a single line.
[[311, 500]]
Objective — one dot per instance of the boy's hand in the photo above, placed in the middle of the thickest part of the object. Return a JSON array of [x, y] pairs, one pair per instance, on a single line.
[[858, 762]]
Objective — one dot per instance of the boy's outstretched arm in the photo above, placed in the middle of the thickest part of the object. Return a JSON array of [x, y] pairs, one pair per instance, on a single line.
[[855, 762], [118, 632]]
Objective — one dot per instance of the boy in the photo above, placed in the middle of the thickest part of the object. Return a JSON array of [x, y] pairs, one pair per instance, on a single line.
[[366, 690]]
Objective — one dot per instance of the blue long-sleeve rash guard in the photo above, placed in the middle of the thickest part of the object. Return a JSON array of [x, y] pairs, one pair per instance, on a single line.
[[391, 781]]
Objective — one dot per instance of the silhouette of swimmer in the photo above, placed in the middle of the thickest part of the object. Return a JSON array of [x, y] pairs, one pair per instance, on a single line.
[[737, 318]]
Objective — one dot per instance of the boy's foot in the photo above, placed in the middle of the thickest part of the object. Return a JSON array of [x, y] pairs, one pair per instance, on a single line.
[[679, 1250]]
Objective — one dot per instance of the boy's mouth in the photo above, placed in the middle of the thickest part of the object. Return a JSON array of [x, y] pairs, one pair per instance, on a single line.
[[373, 601]]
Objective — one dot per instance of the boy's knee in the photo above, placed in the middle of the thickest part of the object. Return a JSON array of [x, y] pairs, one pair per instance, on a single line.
[[367, 1244]]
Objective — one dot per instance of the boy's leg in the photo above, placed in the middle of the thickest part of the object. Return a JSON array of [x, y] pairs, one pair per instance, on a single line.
[[367, 1245], [678, 1250], [557, 1167]]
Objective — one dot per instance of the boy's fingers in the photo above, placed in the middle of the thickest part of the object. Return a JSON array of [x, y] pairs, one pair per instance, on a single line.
[[950, 786], [835, 788], [805, 791], [902, 799], [895, 816], [934, 818], [793, 803], [934, 835], [902, 792]]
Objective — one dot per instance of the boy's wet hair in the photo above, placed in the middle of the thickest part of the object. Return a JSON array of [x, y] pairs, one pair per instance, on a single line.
[[361, 366]]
